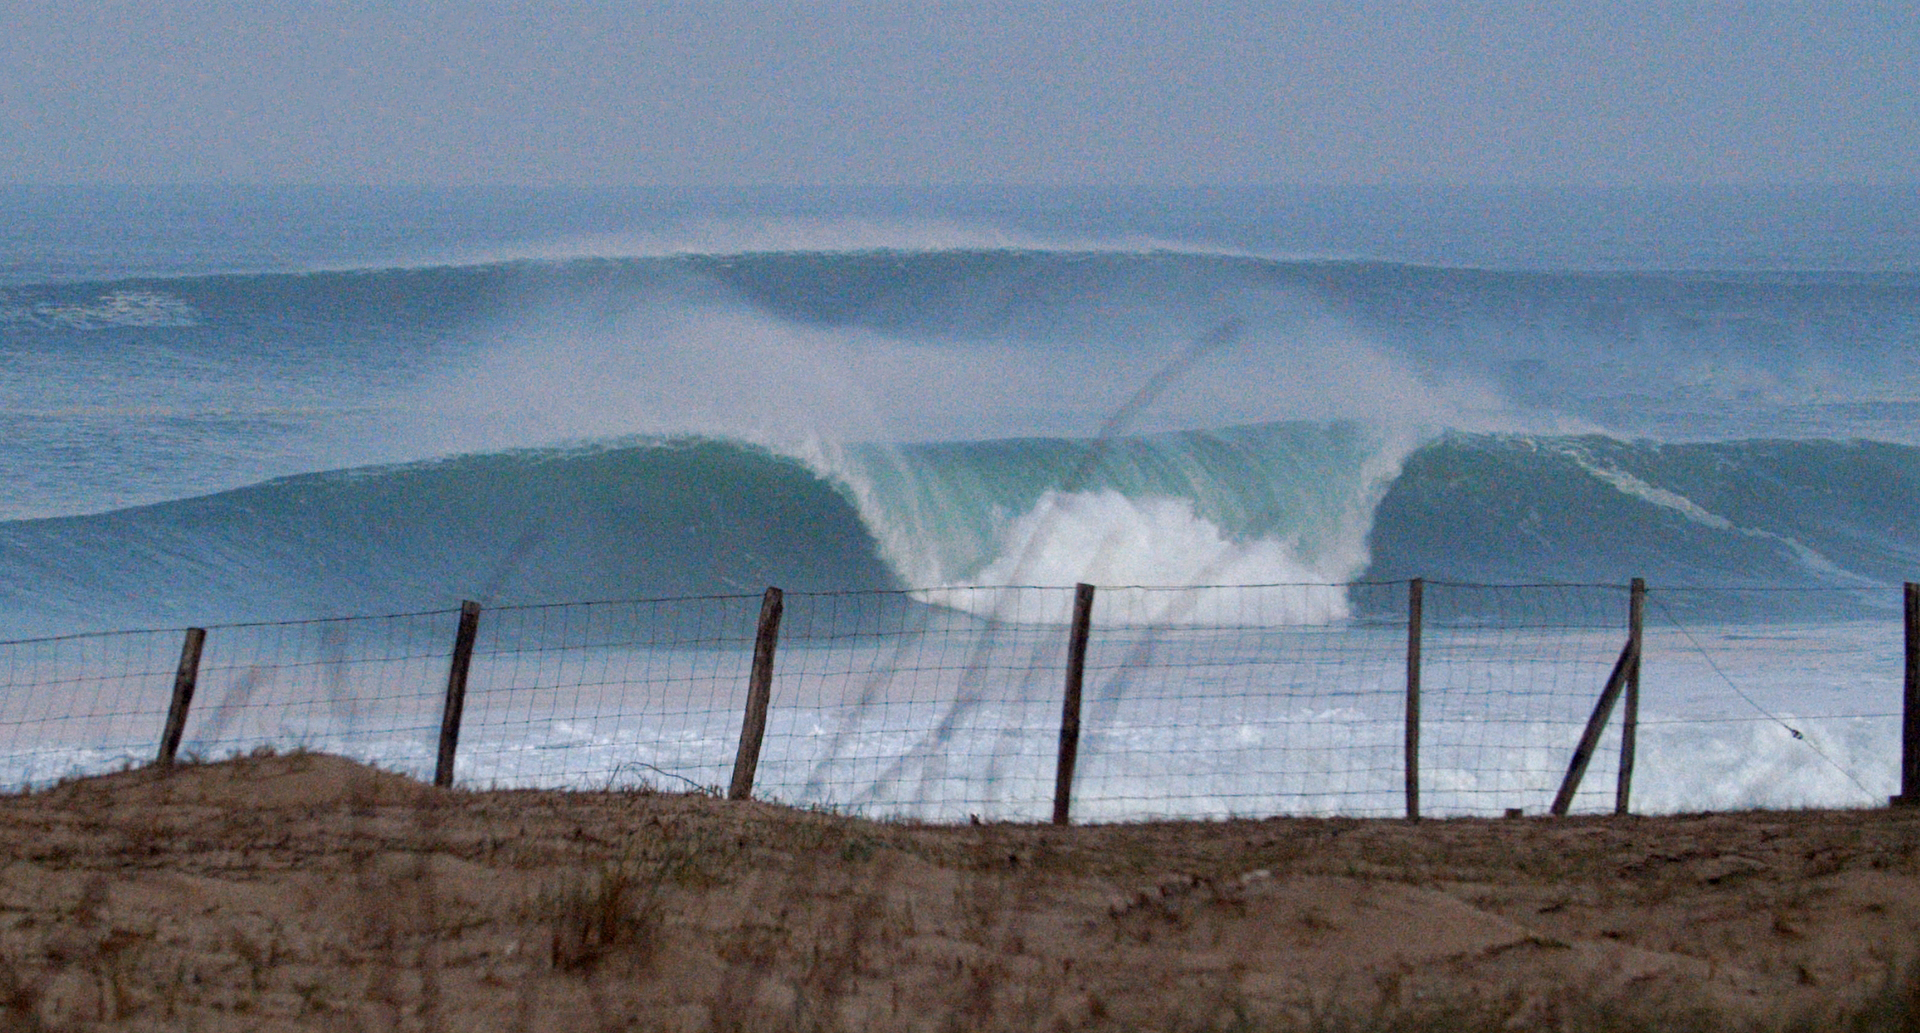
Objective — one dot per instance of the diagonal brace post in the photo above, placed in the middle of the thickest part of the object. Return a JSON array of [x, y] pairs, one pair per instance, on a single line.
[[1602, 709]]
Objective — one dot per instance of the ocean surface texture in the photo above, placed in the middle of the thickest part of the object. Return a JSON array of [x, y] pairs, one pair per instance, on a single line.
[[231, 405]]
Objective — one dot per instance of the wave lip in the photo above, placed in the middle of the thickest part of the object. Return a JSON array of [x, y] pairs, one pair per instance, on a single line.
[[1276, 504], [1313, 507]]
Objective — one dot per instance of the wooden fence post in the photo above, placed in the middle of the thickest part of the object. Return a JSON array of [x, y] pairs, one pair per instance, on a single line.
[[759, 691], [185, 677], [1910, 720], [1070, 702], [456, 692], [1416, 592], [1630, 704], [1596, 723]]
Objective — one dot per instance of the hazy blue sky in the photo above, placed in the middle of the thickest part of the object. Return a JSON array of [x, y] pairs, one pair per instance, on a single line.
[[718, 92]]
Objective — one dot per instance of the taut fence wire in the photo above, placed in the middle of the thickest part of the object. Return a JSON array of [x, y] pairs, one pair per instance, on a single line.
[[1020, 703]]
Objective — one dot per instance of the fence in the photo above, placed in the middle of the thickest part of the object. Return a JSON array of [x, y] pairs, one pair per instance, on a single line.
[[1400, 698]]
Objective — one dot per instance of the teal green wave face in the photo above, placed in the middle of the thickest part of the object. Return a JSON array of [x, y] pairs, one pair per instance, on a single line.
[[674, 518], [1757, 514], [270, 444], [1281, 502], [1287, 503]]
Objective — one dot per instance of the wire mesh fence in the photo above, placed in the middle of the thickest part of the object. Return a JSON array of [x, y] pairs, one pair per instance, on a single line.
[[82, 703], [948, 703], [891, 704], [1245, 700], [609, 694], [1510, 676], [361, 687], [1796, 691]]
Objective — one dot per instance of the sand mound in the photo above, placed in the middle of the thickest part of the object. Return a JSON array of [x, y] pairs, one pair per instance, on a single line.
[[309, 891], [260, 783]]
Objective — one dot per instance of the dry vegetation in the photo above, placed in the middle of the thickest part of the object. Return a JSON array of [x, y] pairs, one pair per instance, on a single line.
[[307, 892]]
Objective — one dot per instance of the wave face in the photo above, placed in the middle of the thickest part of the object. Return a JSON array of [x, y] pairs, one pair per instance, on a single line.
[[1760, 515], [122, 392], [848, 404], [674, 518], [1244, 505], [1286, 503]]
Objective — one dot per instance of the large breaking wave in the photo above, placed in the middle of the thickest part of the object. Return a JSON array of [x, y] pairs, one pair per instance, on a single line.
[[1320, 503], [248, 445]]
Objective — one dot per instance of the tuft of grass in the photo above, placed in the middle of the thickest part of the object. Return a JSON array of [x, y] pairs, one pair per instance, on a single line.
[[614, 908]]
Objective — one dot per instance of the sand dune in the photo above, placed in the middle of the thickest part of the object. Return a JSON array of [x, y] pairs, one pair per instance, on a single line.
[[310, 892]]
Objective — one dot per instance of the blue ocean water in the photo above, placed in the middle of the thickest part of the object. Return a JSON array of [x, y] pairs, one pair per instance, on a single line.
[[226, 404], [222, 405]]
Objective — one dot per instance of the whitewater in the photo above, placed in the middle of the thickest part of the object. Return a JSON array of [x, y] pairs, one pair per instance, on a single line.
[[222, 406]]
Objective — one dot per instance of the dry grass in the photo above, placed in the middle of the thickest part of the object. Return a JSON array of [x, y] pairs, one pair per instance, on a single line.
[[305, 892]]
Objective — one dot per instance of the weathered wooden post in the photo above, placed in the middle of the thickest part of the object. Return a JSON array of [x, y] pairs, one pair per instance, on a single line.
[[185, 677], [1910, 720], [1597, 722], [1416, 591], [1070, 702], [1630, 705], [759, 692], [456, 692]]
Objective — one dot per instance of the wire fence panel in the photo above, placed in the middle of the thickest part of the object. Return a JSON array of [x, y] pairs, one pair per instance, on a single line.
[[362, 687], [1771, 698], [946, 703], [936, 705], [1510, 675], [602, 695], [1222, 701], [83, 704]]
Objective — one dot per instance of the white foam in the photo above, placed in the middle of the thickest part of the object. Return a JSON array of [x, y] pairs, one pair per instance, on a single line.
[[1106, 538], [1294, 721], [118, 308]]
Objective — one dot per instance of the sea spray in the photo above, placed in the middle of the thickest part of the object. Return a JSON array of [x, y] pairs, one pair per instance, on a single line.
[[1280, 504], [601, 406]]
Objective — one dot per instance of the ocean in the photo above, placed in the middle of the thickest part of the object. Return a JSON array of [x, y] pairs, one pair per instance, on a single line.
[[226, 405]]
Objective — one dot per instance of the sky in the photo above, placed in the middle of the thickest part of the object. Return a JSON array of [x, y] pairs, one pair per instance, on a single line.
[[904, 92]]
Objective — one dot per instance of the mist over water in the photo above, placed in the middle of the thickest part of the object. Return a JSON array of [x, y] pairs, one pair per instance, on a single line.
[[996, 385], [262, 405]]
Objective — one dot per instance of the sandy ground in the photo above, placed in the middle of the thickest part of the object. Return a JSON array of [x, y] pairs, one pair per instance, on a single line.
[[308, 892]]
